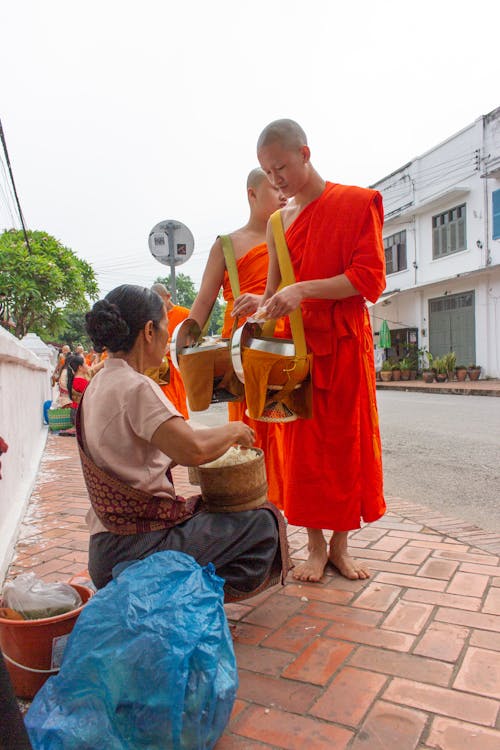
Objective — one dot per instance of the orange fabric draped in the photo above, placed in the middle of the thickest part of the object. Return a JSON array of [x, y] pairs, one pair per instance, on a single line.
[[333, 471], [175, 391], [252, 274]]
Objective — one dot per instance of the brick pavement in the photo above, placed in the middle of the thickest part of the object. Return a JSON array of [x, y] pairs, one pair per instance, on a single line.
[[409, 660]]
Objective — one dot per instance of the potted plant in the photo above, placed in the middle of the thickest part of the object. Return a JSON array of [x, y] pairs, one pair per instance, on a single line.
[[474, 371], [405, 365], [441, 369], [461, 373], [413, 365], [427, 369], [450, 361], [428, 375], [386, 371], [396, 371]]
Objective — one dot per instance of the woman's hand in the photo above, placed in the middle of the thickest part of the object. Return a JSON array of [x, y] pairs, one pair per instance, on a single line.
[[244, 435], [190, 447], [246, 304]]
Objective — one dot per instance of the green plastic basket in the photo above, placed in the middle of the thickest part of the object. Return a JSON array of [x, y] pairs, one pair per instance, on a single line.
[[59, 419]]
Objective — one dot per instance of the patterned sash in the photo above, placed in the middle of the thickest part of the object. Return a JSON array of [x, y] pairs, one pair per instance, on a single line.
[[125, 510]]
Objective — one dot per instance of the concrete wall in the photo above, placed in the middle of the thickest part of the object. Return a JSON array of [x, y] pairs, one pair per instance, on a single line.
[[24, 385]]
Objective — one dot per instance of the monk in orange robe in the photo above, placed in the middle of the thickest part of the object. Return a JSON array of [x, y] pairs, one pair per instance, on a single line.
[[174, 390], [250, 249], [333, 474]]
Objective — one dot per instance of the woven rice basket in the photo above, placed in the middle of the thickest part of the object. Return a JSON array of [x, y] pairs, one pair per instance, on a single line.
[[236, 487]]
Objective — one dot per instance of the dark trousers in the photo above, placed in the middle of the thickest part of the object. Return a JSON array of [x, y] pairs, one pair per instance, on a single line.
[[242, 546], [13, 735]]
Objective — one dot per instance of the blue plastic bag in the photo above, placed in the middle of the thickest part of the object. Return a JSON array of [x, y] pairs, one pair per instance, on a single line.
[[46, 407], [150, 664]]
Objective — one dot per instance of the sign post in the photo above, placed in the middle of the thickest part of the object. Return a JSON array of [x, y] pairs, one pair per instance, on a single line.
[[172, 244]]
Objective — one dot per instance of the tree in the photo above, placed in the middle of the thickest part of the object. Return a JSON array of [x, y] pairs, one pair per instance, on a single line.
[[73, 331], [37, 286], [186, 294]]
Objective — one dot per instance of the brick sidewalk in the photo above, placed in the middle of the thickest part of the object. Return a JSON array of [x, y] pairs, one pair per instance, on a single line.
[[408, 660]]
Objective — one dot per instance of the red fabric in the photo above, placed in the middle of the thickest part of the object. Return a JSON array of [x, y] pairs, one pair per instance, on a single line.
[[333, 471], [79, 384], [175, 391], [252, 274]]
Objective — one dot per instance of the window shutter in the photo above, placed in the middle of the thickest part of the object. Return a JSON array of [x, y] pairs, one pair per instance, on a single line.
[[496, 214]]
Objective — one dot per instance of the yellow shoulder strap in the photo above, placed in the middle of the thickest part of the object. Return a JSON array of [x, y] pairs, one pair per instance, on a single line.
[[232, 268], [288, 277]]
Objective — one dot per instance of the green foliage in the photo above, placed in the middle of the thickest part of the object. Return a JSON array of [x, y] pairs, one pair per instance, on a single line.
[[450, 360], [426, 359], [386, 365], [217, 317], [74, 331], [37, 286], [440, 365], [405, 363]]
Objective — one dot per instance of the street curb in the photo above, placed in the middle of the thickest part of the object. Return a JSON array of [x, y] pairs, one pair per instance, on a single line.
[[429, 388]]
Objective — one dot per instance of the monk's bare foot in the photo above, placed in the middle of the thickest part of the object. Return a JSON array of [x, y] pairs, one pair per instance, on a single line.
[[312, 569], [340, 558]]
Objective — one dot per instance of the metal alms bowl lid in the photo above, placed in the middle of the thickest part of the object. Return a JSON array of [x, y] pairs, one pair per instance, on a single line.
[[187, 331], [249, 336], [187, 339]]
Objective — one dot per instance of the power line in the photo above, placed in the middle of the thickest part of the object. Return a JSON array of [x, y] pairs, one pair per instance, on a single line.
[[4, 144]]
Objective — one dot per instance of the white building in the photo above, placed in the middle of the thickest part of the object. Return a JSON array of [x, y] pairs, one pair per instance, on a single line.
[[442, 245]]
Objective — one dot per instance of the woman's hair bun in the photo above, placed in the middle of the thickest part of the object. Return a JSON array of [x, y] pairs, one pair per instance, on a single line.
[[106, 327]]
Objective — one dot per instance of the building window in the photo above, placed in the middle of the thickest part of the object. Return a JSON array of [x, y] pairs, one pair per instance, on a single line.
[[496, 214], [448, 232], [395, 252]]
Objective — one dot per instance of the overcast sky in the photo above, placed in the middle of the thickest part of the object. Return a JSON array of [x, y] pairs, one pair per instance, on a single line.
[[121, 114]]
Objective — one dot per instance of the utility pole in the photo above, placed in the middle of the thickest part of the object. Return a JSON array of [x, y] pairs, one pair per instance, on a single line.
[[4, 144]]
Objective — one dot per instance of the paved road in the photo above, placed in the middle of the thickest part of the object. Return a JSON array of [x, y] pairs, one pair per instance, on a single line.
[[444, 451], [439, 450]]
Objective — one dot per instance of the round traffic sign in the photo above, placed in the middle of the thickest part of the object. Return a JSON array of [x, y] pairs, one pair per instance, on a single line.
[[171, 242]]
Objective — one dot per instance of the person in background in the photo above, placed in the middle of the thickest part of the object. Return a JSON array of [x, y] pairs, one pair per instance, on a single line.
[[78, 380], [174, 390], [61, 361], [250, 251]]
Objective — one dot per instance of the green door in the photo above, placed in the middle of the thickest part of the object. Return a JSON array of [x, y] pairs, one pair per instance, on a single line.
[[452, 326]]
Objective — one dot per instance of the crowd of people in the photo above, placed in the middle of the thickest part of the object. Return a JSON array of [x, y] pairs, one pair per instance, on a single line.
[[72, 374]]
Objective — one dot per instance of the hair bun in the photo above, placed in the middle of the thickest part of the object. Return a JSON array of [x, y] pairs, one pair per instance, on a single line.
[[106, 327]]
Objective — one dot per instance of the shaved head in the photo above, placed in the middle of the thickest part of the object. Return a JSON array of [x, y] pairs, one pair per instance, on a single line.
[[255, 178], [160, 289], [287, 133]]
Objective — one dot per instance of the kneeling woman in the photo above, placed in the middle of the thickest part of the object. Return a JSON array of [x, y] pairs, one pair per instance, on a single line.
[[130, 436]]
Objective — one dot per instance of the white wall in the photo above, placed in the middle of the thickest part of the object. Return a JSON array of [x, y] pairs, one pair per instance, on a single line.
[[24, 384]]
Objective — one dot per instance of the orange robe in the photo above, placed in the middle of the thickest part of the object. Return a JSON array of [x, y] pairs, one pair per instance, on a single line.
[[175, 391], [252, 274], [333, 470]]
